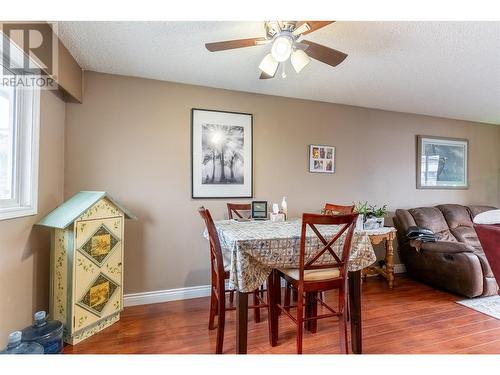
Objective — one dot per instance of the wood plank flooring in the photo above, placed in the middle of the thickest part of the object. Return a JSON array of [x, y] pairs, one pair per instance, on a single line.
[[412, 318]]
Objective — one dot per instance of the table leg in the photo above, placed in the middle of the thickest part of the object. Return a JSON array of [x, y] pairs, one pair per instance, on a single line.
[[355, 311], [241, 322], [389, 260]]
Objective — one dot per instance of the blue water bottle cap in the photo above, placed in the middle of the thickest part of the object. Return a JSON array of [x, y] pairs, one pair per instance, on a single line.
[[14, 338], [40, 316]]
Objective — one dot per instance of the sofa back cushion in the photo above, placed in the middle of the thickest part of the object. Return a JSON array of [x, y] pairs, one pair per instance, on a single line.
[[476, 210], [433, 219], [460, 223], [456, 215]]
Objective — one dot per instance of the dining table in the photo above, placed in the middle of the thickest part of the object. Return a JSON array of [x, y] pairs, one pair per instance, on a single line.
[[253, 248]]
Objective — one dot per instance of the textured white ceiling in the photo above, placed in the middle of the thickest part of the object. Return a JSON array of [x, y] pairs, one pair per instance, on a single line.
[[447, 69]]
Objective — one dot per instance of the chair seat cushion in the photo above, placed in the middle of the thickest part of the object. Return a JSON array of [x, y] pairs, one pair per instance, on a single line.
[[312, 275]]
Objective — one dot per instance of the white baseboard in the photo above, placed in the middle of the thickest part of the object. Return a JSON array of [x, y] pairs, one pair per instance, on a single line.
[[399, 268], [158, 296], [167, 295]]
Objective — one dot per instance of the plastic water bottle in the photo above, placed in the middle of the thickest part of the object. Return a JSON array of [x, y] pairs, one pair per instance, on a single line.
[[15, 346], [46, 333]]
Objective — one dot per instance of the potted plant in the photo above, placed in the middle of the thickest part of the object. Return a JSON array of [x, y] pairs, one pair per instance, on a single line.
[[370, 216], [361, 208], [379, 214]]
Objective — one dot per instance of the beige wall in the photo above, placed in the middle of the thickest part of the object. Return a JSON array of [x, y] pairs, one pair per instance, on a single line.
[[24, 249], [131, 137]]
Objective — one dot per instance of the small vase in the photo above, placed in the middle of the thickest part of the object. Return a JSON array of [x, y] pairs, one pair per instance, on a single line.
[[380, 221]]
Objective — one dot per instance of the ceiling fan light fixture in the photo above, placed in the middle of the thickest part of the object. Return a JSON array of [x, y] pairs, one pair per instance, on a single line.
[[301, 29], [282, 48], [299, 60], [269, 65]]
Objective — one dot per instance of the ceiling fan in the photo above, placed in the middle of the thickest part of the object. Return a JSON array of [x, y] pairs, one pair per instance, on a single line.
[[287, 43]]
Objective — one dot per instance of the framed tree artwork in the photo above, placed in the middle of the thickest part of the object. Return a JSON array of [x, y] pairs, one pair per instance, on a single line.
[[221, 154], [442, 163]]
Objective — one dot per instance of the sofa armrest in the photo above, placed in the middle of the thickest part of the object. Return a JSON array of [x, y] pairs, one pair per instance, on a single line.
[[449, 247]]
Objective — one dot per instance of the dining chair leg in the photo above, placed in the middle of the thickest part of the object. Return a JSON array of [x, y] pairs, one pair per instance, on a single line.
[[231, 298], [271, 303], [213, 310], [220, 325], [287, 301], [300, 320], [313, 324], [307, 311], [256, 310], [342, 323], [347, 308], [276, 300]]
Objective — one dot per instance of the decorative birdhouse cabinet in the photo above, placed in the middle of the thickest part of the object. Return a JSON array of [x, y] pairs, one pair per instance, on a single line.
[[86, 265]]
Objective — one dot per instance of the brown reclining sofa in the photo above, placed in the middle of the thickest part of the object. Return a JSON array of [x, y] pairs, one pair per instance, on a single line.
[[456, 262]]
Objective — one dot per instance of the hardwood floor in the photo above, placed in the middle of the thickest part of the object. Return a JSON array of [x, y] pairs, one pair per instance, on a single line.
[[412, 318]]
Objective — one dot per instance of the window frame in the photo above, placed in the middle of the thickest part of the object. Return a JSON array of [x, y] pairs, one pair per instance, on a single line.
[[26, 148]]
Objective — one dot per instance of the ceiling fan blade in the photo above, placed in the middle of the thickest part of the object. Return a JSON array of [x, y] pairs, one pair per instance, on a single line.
[[266, 76], [232, 44], [313, 26], [324, 54]]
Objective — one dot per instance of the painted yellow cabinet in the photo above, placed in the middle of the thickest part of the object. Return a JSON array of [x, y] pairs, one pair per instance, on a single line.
[[86, 267]]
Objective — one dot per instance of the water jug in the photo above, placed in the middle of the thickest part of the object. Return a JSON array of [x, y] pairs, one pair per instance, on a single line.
[[15, 346], [47, 333]]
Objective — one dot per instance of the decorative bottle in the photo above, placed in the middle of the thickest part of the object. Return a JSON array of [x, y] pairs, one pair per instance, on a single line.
[[284, 207]]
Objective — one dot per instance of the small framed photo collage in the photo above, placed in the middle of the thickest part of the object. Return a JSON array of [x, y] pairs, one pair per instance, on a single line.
[[321, 159]]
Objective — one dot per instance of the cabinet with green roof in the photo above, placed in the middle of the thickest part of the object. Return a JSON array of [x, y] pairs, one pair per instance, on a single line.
[[86, 265]]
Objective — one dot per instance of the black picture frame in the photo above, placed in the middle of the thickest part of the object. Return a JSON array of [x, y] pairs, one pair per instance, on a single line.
[[259, 210], [247, 190]]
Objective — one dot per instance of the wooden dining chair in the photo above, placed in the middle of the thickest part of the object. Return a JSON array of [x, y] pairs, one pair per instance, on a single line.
[[240, 210], [219, 275], [336, 209], [329, 209], [313, 277]]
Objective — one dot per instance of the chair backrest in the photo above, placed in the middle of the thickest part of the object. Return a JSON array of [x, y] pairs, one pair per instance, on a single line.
[[235, 208], [216, 258], [346, 225], [336, 209]]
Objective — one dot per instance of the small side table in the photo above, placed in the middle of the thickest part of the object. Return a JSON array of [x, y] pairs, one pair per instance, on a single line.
[[386, 270]]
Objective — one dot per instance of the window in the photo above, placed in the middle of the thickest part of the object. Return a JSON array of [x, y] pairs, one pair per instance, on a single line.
[[19, 120]]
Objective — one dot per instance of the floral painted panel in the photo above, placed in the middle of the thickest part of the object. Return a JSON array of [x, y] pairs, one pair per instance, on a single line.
[[98, 271], [100, 244], [98, 294], [86, 333], [101, 209], [59, 276], [256, 247]]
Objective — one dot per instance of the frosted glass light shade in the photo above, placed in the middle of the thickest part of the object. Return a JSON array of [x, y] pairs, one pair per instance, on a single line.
[[269, 65], [299, 60], [282, 48]]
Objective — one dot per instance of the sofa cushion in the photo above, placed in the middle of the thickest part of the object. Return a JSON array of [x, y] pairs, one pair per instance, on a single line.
[[466, 235], [456, 215], [433, 219]]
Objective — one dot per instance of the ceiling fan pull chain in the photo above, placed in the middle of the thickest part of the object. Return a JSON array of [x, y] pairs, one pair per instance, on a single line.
[[283, 72]]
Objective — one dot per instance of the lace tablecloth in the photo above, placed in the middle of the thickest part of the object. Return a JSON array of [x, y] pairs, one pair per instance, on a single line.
[[254, 248]]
